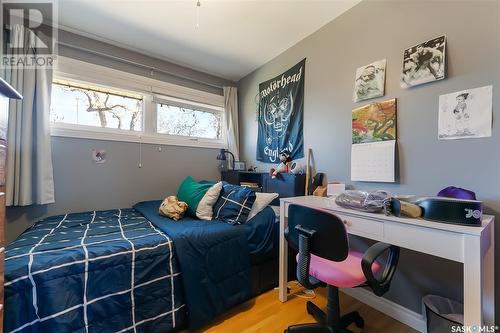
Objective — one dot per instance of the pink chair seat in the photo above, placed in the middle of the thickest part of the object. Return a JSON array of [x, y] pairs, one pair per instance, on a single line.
[[344, 274]]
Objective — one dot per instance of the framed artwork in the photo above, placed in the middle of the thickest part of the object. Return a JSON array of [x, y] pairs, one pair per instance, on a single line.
[[369, 81], [99, 156], [374, 122], [239, 166], [466, 114], [425, 62]]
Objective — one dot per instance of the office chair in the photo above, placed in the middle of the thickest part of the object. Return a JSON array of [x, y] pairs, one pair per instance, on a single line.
[[324, 258]]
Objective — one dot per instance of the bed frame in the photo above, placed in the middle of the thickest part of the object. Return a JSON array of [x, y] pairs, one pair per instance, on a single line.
[[264, 271]]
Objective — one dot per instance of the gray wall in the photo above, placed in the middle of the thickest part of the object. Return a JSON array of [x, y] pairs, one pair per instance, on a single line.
[[97, 52], [81, 185], [375, 30]]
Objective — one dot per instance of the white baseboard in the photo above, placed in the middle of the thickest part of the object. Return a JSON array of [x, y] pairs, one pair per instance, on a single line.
[[394, 310]]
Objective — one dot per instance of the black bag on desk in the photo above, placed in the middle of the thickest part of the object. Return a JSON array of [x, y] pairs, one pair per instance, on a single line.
[[450, 210]]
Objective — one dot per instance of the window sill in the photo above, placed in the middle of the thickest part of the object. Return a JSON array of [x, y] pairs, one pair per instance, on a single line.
[[113, 135]]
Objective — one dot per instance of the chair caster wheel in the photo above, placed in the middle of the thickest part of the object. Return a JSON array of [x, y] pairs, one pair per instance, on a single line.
[[359, 322]]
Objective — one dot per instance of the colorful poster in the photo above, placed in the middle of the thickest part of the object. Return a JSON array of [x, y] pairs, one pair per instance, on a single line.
[[374, 122]]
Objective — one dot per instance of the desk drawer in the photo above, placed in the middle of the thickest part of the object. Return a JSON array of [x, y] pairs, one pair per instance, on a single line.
[[361, 226], [356, 225], [436, 242]]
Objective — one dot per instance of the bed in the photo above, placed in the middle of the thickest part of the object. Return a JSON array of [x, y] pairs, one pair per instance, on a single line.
[[127, 270]]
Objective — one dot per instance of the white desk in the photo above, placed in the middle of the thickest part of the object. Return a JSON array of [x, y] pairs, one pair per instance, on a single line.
[[472, 246]]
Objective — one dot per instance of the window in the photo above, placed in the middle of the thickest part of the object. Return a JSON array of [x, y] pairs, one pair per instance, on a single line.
[[87, 105], [189, 120], [95, 102]]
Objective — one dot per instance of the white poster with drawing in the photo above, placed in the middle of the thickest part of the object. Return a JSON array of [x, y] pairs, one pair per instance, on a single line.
[[466, 114]]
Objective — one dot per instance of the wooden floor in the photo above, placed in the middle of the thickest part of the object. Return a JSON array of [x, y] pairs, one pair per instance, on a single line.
[[267, 314]]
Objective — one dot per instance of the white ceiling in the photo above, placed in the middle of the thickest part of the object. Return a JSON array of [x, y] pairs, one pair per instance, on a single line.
[[234, 36]]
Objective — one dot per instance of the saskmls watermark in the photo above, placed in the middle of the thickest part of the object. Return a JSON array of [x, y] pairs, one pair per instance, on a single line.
[[29, 33], [474, 329]]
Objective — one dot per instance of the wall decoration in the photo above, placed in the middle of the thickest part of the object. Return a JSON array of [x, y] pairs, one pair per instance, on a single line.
[[466, 114], [425, 62], [99, 155], [374, 122], [281, 107], [239, 166], [373, 150], [370, 81]]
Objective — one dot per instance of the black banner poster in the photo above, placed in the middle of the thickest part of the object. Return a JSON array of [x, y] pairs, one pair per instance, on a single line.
[[281, 108]]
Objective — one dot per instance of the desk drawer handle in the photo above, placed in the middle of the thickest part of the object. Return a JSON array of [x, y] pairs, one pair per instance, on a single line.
[[347, 223]]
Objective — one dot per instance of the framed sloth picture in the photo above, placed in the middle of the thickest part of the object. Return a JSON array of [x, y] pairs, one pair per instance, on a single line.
[[370, 81]]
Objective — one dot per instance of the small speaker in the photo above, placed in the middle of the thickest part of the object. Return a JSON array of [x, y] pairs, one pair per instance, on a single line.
[[449, 210], [296, 167]]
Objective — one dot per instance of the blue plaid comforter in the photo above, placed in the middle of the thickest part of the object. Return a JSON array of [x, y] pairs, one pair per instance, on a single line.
[[107, 271]]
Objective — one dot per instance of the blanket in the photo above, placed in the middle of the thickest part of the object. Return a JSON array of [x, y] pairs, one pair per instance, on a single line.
[[214, 258], [107, 271]]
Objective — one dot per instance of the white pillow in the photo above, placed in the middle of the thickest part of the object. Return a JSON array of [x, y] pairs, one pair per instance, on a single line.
[[204, 211], [262, 200]]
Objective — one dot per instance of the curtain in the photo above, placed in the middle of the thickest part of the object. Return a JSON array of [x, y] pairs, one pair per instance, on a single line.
[[231, 106], [29, 176]]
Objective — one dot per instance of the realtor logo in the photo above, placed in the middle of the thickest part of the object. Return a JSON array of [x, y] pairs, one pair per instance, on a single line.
[[29, 31]]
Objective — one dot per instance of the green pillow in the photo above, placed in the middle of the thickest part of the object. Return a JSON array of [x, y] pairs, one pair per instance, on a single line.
[[191, 193]]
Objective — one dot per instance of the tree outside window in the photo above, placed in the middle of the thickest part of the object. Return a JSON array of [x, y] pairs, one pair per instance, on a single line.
[[91, 106], [174, 120]]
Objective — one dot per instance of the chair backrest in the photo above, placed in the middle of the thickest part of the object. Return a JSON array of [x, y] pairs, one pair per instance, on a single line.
[[330, 238]]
